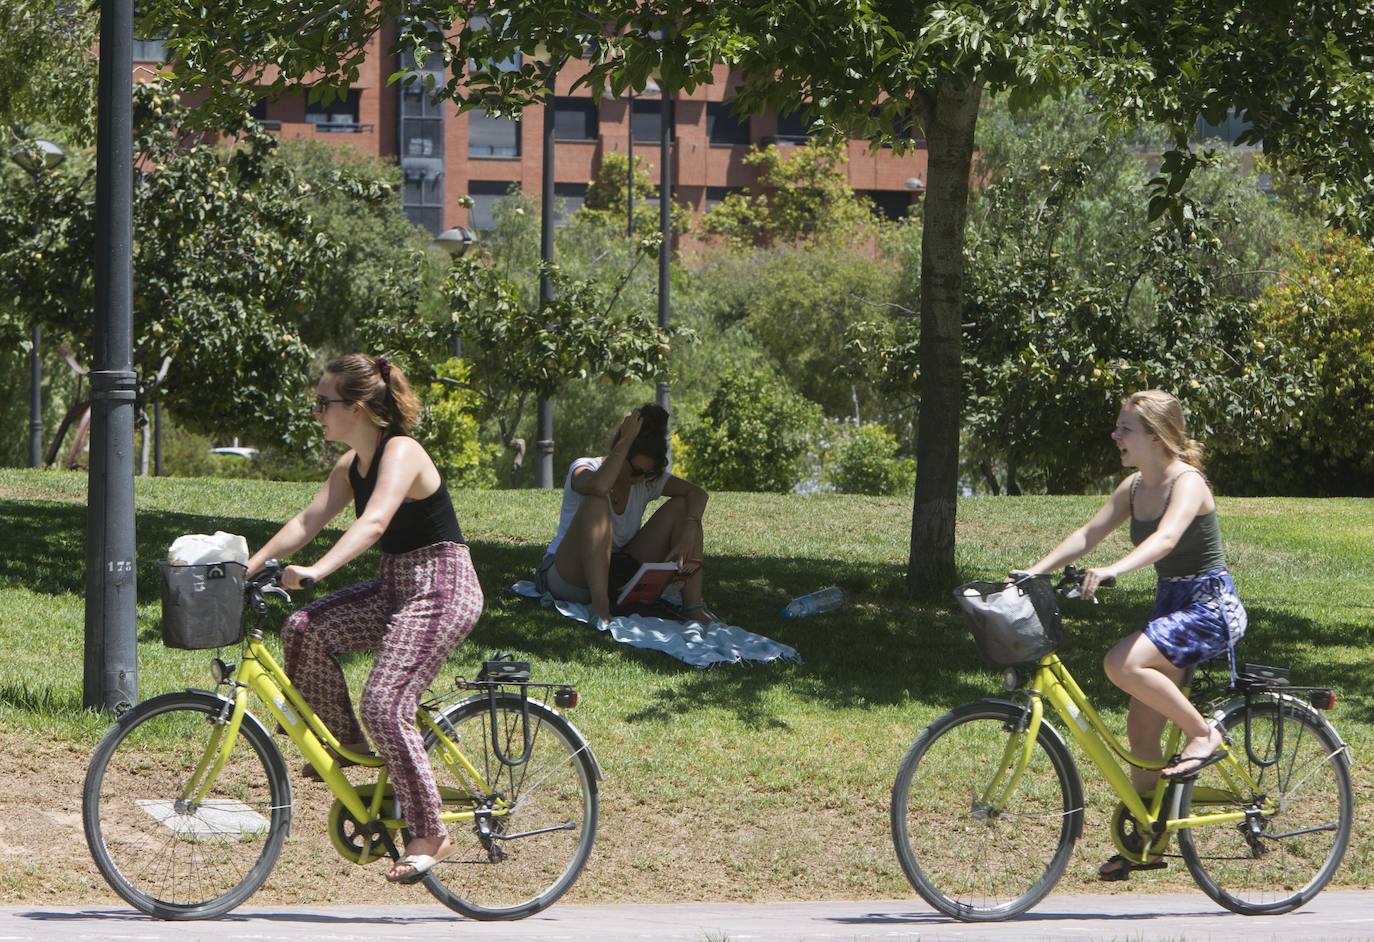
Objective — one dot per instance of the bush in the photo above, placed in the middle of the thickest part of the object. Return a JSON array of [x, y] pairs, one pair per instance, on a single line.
[[866, 462], [1323, 309], [449, 428], [752, 435]]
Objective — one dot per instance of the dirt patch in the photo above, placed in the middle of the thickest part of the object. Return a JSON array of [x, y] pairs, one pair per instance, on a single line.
[[721, 845]]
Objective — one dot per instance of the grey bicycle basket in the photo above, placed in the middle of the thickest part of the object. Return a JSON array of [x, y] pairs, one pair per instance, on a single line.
[[202, 605], [1012, 623]]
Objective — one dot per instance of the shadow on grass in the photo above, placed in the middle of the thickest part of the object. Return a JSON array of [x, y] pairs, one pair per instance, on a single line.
[[880, 649]]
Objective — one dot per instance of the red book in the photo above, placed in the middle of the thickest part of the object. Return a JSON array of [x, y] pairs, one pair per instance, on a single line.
[[653, 579]]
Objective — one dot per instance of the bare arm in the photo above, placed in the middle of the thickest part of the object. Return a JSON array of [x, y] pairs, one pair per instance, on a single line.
[[690, 538], [695, 494], [306, 525], [598, 483], [1080, 542], [401, 463]]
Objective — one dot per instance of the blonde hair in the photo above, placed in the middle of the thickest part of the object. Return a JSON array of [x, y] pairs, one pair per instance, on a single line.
[[379, 386], [1162, 416]]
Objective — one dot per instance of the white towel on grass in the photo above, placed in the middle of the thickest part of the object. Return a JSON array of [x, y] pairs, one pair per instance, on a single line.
[[690, 642]]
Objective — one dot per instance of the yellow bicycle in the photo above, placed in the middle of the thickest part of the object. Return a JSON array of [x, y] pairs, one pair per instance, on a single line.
[[988, 802], [187, 798]]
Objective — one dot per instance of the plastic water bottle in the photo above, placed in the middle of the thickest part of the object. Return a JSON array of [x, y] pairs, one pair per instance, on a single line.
[[826, 600]]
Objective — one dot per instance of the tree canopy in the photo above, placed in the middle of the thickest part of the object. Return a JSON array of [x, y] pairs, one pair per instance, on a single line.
[[1301, 71]]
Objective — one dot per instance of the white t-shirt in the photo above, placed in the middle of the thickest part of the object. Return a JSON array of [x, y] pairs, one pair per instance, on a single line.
[[623, 526]]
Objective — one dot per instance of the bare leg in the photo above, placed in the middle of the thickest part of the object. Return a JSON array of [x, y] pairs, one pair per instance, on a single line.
[[1136, 666], [584, 556], [661, 533]]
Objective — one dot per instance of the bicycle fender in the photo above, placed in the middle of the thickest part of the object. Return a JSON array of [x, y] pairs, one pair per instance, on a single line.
[[248, 716], [1297, 704], [1045, 723], [482, 698]]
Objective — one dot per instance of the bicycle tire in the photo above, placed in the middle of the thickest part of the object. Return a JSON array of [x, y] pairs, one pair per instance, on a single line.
[[514, 878], [970, 861], [163, 859], [1278, 869]]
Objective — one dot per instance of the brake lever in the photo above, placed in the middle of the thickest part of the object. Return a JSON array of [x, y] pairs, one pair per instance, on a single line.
[[277, 591]]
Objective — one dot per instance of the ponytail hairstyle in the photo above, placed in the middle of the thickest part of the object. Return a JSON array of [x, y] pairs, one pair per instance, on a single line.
[[378, 386], [652, 440], [1162, 416]]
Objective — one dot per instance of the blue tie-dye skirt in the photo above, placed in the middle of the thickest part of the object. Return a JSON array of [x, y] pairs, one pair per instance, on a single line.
[[1196, 618]]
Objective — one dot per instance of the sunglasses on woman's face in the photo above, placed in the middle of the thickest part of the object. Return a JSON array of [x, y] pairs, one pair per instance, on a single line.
[[322, 403], [647, 473]]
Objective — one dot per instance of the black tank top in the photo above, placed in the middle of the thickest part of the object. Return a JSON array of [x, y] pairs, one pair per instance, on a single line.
[[416, 523]]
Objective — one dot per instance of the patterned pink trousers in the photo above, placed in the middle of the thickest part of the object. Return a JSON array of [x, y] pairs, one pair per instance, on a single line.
[[421, 608]]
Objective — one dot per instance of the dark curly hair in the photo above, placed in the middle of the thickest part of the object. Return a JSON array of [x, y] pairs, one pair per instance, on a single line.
[[652, 440]]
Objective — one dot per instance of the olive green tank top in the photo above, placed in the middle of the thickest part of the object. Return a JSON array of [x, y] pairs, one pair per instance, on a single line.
[[1198, 549]]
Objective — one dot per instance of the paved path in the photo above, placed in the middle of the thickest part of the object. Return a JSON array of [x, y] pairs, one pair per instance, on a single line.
[[1332, 917]]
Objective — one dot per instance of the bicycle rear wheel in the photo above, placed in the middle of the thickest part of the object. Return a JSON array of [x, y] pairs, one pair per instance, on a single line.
[[1301, 812], [969, 852], [532, 855], [164, 855]]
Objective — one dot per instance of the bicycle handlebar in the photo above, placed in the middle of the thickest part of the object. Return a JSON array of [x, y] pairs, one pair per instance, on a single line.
[[1068, 582]]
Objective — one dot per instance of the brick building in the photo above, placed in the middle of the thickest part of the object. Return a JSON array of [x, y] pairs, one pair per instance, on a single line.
[[445, 155]]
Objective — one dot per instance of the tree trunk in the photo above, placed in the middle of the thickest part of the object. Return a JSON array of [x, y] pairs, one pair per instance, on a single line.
[[950, 113]]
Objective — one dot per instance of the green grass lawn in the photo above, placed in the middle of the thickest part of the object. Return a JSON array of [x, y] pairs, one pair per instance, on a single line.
[[735, 783]]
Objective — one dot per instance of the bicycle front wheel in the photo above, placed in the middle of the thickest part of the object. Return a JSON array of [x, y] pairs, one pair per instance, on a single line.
[[1300, 811], [163, 850], [975, 842], [526, 854]]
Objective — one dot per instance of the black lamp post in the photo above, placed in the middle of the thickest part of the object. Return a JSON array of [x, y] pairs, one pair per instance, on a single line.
[[111, 655], [665, 203], [38, 158]]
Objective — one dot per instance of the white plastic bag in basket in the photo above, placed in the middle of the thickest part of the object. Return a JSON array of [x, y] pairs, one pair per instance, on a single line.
[[196, 548]]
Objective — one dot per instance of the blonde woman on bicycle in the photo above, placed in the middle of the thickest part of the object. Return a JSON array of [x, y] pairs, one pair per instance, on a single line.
[[423, 604], [1197, 614]]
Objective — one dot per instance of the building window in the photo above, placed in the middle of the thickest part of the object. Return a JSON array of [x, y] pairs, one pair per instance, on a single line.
[[568, 199], [149, 50], [794, 128], [422, 198], [485, 195], [574, 119], [258, 112], [505, 65], [490, 136], [1231, 127], [890, 204], [422, 123], [341, 114], [715, 195], [646, 120], [722, 127]]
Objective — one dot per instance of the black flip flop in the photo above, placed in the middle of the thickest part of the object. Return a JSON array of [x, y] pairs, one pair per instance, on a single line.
[[1221, 752], [1125, 868]]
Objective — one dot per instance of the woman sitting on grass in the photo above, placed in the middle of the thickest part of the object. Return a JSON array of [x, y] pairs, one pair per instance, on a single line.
[[1197, 614], [424, 603], [602, 540]]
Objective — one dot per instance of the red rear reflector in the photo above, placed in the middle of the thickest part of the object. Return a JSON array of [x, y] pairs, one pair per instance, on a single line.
[[1323, 699]]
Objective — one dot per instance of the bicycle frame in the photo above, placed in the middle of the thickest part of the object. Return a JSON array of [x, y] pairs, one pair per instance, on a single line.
[[1052, 682], [260, 674]]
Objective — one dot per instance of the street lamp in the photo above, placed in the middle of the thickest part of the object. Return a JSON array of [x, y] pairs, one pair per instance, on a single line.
[[456, 242], [37, 157]]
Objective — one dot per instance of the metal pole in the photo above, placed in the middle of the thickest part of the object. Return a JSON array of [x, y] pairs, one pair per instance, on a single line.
[[35, 399], [111, 655], [665, 202], [630, 174], [157, 438], [544, 437]]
